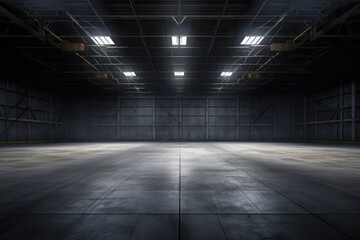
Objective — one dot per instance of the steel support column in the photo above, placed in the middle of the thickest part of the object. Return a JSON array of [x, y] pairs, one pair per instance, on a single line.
[[117, 117], [341, 127], [207, 119], [180, 119], [353, 111], [274, 120], [316, 119], [305, 121], [237, 119], [7, 110], [154, 119]]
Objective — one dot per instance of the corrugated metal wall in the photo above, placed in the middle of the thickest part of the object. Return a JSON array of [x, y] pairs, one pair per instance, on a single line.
[[182, 118], [28, 114], [330, 114]]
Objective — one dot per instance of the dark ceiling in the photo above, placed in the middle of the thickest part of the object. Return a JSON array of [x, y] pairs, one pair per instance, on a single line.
[[326, 34]]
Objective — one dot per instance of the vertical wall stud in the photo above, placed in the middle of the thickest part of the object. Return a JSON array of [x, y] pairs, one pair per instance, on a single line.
[[353, 111], [305, 120], [28, 114], [7, 109], [207, 119], [274, 116], [118, 117], [135, 117], [341, 99], [51, 125], [180, 119], [316, 117], [293, 117], [154, 119], [237, 119]]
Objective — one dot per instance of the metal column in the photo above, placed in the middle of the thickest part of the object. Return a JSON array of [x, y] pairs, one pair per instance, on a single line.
[[353, 111], [237, 119], [341, 127], [207, 119], [7, 110], [118, 118], [154, 119], [180, 119], [305, 121], [274, 121]]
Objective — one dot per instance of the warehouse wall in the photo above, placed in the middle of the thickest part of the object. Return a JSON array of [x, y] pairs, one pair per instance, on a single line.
[[116, 118], [30, 114], [327, 114], [330, 113]]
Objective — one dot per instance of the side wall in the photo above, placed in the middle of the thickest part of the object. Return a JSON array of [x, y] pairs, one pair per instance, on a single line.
[[29, 114], [116, 118], [330, 114]]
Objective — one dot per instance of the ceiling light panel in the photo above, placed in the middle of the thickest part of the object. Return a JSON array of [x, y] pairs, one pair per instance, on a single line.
[[183, 40], [176, 40], [226, 74], [179, 73], [102, 40], [252, 40], [129, 74]]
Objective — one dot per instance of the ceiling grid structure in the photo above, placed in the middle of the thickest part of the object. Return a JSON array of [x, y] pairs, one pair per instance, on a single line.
[[142, 32]]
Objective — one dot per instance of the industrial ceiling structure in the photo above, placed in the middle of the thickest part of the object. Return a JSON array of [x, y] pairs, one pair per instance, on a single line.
[[197, 47]]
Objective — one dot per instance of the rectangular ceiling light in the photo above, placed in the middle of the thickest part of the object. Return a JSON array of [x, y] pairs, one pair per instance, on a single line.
[[183, 40], [252, 40], [110, 40], [129, 74], [102, 40], [176, 41], [226, 74], [179, 73]]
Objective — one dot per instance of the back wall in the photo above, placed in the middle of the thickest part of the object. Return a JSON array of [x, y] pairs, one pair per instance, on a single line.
[[211, 118]]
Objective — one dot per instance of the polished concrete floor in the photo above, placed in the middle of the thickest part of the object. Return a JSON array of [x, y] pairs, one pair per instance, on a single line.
[[222, 190]]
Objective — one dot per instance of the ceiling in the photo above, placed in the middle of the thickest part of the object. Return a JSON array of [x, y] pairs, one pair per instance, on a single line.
[[326, 35]]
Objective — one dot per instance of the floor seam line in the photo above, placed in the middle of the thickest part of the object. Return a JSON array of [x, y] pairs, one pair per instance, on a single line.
[[136, 223], [222, 227]]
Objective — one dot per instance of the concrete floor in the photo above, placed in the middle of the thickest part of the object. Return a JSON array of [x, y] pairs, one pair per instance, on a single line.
[[132, 191]]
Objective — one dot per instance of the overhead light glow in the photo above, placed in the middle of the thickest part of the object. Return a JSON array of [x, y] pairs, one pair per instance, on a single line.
[[183, 40], [102, 40], [252, 40], [179, 73], [226, 74], [176, 41], [110, 40], [129, 74]]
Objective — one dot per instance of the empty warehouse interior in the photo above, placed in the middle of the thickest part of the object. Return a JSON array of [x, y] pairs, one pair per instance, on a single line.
[[179, 119]]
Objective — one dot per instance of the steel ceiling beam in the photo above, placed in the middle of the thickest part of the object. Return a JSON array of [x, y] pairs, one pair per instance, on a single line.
[[315, 33], [215, 33], [142, 33]]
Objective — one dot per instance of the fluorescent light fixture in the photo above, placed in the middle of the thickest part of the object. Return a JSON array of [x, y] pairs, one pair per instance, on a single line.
[[252, 40], [110, 40], [129, 74], [176, 41], [179, 73], [183, 40], [226, 74], [102, 40]]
